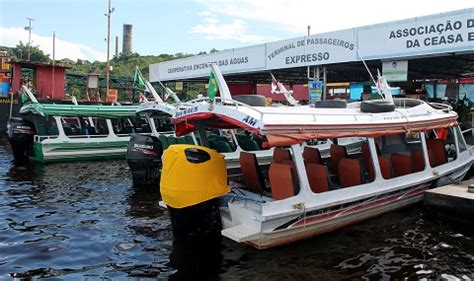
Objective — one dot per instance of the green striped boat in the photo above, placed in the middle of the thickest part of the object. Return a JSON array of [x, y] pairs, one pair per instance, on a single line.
[[71, 132]]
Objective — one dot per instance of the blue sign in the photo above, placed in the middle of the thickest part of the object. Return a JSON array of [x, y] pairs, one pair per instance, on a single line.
[[315, 91]]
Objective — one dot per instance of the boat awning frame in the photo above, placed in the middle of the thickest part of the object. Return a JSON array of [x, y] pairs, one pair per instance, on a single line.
[[103, 111], [226, 114]]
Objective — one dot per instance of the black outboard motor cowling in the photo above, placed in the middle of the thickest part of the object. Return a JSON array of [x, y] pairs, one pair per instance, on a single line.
[[144, 158], [20, 136]]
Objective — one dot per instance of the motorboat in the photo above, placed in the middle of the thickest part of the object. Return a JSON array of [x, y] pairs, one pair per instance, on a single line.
[[145, 163], [70, 132], [409, 146]]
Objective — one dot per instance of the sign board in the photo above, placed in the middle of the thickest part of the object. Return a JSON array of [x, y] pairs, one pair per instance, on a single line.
[[315, 91], [442, 33], [395, 70], [445, 33], [229, 61], [312, 50]]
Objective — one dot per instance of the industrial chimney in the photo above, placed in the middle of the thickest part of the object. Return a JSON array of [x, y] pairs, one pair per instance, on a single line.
[[127, 39]]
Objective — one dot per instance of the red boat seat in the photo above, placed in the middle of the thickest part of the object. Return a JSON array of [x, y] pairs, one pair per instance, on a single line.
[[312, 155], [337, 153], [283, 182], [385, 168], [251, 171], [350, 172], [402, 164], [418, 160], [439, 153], [318, 177], [280, 154]]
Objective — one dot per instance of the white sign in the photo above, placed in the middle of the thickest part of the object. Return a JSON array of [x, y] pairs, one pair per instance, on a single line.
[[395, 70], [312, 50], [424, 36], [449, 32], [229, 61]]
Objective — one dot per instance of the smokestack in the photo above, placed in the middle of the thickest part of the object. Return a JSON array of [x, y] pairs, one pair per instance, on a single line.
[[116, 47], [127, 39]]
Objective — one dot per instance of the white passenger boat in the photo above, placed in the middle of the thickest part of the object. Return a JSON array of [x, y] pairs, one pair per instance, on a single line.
[[408, 147], [144, 163]]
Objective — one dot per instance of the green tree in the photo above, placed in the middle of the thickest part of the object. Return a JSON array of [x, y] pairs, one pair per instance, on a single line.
[[21, 52]]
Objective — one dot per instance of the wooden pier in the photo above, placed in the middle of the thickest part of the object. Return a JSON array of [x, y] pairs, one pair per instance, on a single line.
[[454, 199]]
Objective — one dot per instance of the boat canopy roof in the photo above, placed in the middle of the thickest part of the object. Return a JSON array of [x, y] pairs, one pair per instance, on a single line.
[[291, 125], [156, 109], [104, 111]]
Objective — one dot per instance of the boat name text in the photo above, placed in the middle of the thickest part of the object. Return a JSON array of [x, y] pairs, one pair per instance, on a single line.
[[250, 120], [186, 111]]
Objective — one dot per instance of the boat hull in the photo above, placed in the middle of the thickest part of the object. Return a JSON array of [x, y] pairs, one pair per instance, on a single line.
[[323, 225], [287, 229], [77, 151]]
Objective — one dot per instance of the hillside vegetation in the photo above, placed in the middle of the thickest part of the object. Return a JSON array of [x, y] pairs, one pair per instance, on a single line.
[[122, 66]]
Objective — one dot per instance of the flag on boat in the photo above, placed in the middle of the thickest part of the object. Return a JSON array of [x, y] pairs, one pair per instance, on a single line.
[[383, 86], [274, 89], [138, 79], [166, 94], [213, 87], [24, 96]]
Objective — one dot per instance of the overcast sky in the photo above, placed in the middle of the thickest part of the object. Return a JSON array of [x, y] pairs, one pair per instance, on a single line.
[[169, 27]]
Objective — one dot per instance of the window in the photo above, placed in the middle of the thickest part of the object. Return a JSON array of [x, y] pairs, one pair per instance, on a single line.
[[71, 126], [461, 141], [141, 125], [99, 127], [441, 146], [122, 126], [401, 155], [46, 127], [163, 124]]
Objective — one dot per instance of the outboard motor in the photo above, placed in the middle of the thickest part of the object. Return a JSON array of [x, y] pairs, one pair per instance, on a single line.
[[20, 136], [193, 178], [144, 158]]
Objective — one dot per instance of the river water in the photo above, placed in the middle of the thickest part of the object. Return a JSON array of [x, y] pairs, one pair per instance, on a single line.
[[87, 221]]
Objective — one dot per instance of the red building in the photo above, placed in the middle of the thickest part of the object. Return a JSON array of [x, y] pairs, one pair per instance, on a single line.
[[47, 80]]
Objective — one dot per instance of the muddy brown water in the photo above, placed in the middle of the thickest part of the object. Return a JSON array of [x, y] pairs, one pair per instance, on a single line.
[[86, 220]]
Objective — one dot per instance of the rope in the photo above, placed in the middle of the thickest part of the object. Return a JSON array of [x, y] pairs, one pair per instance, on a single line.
[[243, 197]]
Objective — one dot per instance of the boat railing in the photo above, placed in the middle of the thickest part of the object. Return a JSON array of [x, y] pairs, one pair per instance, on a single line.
[[441, 106], [87, 136], [40, 138]]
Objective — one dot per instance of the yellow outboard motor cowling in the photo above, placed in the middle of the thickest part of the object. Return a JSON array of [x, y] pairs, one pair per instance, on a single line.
[[192, 180]]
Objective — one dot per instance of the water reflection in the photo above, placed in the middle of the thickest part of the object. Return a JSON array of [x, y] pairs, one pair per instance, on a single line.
[[86, 220], [196, 259]]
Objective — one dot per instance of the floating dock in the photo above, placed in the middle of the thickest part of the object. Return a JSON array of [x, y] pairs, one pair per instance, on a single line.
[[454, 199]]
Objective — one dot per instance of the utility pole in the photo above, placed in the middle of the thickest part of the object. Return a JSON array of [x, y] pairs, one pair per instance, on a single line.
[[107, 70], [29, 28], [54, 65]]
